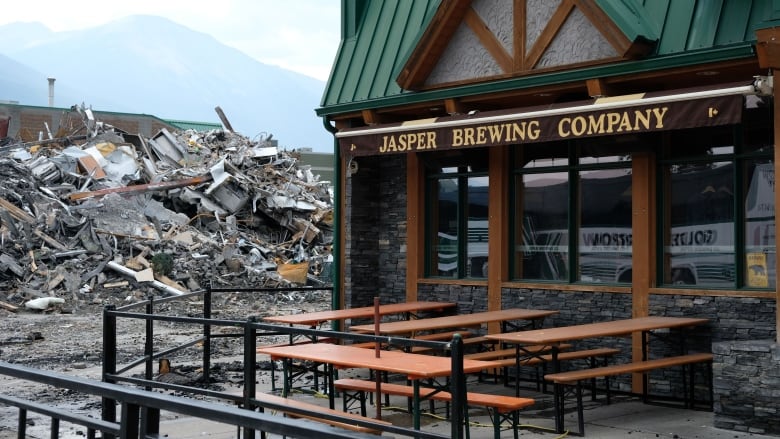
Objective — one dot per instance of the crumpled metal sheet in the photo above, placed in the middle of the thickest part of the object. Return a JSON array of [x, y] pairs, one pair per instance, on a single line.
[[258, 210]]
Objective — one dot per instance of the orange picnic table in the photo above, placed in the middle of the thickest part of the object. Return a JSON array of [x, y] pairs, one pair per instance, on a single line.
[[553, 337], [412, 327], [414, 366], [407, 309]]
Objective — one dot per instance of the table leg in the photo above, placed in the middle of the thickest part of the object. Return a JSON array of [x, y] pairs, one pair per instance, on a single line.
[[286, 365], [416, 403]]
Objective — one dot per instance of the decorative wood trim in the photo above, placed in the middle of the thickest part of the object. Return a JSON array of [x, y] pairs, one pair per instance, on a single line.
[[415, 230], [608, 29], [432, 44], [462, 282], [454, 106], [371, 117], [548, 34], [768, 47], [519, 18], [597, 87], [498, 218], [491, 43], [643, 247], [745, 294], [574, 288]]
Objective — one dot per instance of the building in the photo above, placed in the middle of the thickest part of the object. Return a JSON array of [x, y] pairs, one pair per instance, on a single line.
[[607, 158], [30, 123]]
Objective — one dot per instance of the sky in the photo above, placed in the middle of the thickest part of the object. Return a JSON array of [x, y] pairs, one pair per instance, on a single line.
[[298, 35]]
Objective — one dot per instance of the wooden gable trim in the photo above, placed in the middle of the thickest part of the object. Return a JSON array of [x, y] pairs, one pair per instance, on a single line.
[[489, 40], [523, 59], [434, 40]]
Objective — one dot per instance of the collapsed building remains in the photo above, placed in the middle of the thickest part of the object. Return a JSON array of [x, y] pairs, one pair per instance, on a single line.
[[99, 212]]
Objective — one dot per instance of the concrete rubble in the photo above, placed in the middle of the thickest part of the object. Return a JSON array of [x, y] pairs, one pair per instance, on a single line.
[[99, 213]]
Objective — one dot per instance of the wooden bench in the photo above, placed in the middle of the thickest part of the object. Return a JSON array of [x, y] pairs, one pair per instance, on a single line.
[[506, 358], [499, 407], [313, 412], [575, 377]]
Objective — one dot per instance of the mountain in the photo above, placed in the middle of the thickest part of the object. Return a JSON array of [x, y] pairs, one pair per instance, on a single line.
[[151, 65]]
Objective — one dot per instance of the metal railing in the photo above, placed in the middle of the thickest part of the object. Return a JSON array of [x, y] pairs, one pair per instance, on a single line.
[[249, 331], [135, 402]]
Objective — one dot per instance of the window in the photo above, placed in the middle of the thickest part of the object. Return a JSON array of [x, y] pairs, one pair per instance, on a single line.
[[457, 213], [716, 195], [578, 189]]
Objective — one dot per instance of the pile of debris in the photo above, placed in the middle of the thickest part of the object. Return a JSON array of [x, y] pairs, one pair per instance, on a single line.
[[100, 214]]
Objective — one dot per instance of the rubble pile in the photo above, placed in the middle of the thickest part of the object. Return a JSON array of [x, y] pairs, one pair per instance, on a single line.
[[100, 215]]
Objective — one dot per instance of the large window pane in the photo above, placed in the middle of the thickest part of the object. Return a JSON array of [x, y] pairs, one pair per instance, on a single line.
[[477, 249], [543, 206], [605, 226], [699, 207], [444, 257], [760, 249]]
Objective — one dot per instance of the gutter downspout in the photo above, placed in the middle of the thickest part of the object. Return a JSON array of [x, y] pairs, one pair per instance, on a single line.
[[335, 267]]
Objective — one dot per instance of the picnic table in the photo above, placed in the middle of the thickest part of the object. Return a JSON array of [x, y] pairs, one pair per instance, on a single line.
[[414, 366], [406, 309], [412, 327], [556, 336]]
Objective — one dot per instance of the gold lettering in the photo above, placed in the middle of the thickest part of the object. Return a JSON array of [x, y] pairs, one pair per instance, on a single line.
[[625, 122], [659, 116], [578, 126], [642, 117], [596, 125], [457, 137], [468, 136], [612, 120], [533, 129], [481, 139], [564, 132], [496, 131]]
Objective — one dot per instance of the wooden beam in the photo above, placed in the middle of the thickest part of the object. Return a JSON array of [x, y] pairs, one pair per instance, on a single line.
[[768, 47], [643, 247], [415, 226], [150, 187], [598, 88], [498, 218], [548, 34], [371, 117], [454, 106], [489, 41]]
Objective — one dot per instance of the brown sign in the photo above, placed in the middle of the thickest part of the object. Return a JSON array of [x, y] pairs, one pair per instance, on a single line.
[[504, 128]]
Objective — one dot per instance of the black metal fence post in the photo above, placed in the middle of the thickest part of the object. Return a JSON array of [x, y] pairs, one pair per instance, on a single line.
[[458, 388], [108, 405], [150, 417], [207, 336], [250, 335]]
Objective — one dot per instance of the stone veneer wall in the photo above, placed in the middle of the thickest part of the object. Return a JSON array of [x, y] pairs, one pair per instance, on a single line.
[[375, 232], [747, 386]]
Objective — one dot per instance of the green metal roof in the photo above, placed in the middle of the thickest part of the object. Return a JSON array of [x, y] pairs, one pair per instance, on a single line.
[[378, 36], [190, 125]]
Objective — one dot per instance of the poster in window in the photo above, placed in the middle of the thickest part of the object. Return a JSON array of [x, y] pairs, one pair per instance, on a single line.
[[757, 274]]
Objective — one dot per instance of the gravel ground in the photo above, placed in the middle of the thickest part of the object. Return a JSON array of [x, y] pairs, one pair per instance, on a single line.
[[71, 343]]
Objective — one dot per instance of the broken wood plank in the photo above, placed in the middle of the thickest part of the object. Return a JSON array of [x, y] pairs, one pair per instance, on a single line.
[[7, 306], [16, 212], [149, 187]]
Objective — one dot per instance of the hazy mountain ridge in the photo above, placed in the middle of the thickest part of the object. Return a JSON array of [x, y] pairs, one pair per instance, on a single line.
[[147, 64]]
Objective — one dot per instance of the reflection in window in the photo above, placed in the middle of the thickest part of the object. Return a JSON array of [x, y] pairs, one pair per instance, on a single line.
[[544, 208], [760, 248], [457, 218], [605, 226], [699, 245]]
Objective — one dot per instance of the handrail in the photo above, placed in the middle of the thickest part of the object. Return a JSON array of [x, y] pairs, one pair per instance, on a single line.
[[135, 401], [249, 330]]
